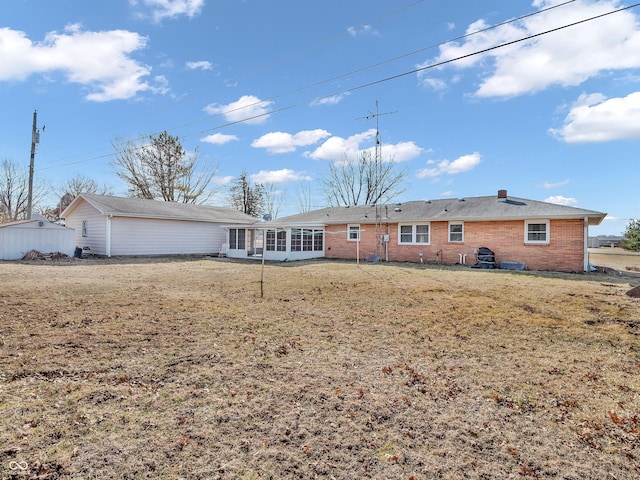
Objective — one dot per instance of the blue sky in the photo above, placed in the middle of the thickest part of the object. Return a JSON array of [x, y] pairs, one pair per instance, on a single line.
[[283, 88]]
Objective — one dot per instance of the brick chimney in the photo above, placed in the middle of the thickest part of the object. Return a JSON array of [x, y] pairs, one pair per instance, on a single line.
[[502, 195]]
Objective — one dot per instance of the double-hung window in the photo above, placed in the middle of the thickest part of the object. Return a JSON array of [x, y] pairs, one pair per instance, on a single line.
[[456, 232], [85, 228], [353, 233], [536, 231], [410, 234]]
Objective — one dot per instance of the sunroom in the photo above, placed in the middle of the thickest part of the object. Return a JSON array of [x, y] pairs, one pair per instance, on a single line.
[[276, 242]]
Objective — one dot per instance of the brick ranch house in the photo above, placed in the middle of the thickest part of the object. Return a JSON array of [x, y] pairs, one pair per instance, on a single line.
[[543, 236]]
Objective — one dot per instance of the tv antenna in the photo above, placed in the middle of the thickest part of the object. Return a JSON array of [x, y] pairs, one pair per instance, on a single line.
[[381, 238]]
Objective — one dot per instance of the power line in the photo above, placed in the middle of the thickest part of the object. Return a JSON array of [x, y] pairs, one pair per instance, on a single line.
[[322, 82], [426, 67], [375, 82]]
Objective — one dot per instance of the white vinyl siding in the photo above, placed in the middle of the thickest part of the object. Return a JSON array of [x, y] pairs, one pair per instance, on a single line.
[[18, 240], [140, 236], [96, 223]]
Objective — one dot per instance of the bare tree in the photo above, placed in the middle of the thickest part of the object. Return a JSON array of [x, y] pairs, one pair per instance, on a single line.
[[14, 192], [273, 200], [304, 198], [162, 170], [70, 190], [247, 198], [366, 180]]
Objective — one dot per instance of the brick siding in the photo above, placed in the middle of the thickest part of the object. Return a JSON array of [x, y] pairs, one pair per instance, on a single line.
[[564, 252]]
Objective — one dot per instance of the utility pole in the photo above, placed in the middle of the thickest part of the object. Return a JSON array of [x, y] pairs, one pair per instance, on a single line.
[[35, 139]]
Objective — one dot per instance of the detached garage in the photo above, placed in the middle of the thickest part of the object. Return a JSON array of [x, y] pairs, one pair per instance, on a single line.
[[20, 237], [107, 225]]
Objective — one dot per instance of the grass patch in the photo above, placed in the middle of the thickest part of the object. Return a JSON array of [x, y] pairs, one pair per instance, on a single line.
[[178, 369]]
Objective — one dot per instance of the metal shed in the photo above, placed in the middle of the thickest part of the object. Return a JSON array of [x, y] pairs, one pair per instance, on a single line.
[[20, 237]]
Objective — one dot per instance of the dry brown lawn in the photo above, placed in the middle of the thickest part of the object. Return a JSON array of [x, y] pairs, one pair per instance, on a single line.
[[177, 368]]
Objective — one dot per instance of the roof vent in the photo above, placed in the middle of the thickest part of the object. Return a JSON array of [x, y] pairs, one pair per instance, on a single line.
[[502, 195], [428, 201], [397, 209], [461, 199]]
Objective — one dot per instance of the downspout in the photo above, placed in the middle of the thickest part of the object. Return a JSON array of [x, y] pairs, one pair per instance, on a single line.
[[108, 239], [586, 244]]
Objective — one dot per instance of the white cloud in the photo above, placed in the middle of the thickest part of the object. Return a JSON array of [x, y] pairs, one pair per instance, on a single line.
[[560, 200], [161, 9], [594, 118], [399, 152], [276, 177], [247, 109], [549, 185], [331, 100], [226, 180], [97, 60], [362, 30], [282, 142], [219, 138], [161, 85], [565, 57], [462, 164], [337, 148], [202, 65]]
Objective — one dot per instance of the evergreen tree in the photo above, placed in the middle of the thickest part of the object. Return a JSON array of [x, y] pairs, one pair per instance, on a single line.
[[631, 240], [247, 198]]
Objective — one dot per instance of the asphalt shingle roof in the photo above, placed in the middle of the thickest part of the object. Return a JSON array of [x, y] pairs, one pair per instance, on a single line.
[[140, 208], [464, 209]]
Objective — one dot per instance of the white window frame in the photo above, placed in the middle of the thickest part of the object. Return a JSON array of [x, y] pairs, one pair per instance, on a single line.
[[353, 228], [546, 240], [414, 233], [449, 232], [275, 240], [235, 236]]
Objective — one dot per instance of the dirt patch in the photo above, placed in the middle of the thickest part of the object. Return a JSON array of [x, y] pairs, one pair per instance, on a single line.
[[634, 292], [177, 368], [615, 258]]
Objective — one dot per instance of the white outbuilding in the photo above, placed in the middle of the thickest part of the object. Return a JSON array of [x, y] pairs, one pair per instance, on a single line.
[[108, 225], [20, 237]]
